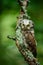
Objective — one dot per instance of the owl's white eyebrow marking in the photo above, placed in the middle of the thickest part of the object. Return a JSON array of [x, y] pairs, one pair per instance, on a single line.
[[26, 22]]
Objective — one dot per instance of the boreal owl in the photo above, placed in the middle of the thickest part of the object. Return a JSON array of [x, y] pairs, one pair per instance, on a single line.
[[27, 28]]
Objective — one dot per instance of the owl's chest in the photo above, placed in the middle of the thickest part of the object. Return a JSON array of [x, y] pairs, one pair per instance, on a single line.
[[26, 35]]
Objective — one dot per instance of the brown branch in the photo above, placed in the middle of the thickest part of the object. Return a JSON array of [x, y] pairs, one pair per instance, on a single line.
[[10, 37]]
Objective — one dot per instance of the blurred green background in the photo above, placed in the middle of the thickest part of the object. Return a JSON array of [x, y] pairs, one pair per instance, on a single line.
[[9, 10]]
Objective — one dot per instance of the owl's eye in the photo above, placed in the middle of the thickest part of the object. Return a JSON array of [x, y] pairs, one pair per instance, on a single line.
[[22, 25], [28, 26]]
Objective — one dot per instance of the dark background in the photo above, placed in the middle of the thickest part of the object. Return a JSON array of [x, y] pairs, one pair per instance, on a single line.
[[9, 10]]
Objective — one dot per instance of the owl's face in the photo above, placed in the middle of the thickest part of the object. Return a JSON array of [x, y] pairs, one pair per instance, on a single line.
[[25, 25]]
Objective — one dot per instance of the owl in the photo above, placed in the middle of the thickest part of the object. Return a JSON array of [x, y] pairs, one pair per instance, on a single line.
[[27, 28]]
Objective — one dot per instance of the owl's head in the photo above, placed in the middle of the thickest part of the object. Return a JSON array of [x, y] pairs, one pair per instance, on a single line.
[[25, 24]]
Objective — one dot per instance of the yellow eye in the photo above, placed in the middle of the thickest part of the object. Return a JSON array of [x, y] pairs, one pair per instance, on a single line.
[[28, 26], [22, 25]]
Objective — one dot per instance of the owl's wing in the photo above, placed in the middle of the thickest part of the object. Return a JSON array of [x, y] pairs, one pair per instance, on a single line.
[[32, 43]]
